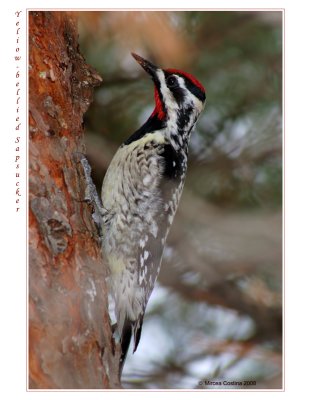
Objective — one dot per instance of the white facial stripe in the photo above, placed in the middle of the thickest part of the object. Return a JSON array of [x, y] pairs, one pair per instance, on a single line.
[[181, 81], [170, 102], [191, 98]]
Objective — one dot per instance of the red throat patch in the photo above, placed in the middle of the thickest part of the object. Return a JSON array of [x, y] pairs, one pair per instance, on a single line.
[[158, 110], [188, 76]]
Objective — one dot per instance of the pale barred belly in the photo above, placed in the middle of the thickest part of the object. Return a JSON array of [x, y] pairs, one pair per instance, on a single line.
[[130, 196], [125, 237], [125, 233]]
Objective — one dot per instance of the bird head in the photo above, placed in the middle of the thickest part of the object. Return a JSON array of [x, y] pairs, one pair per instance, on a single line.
[[175, 91]]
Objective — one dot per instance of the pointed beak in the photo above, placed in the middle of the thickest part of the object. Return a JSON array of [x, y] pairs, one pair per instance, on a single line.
[[147, 65]]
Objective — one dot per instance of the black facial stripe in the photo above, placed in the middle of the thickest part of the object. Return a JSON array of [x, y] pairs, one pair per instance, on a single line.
[[179, 95], [197, 92]]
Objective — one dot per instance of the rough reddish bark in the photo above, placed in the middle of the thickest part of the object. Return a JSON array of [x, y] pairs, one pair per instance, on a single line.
[[70, 338]]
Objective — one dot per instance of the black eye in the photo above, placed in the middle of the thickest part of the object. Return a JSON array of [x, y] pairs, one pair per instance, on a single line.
[[172, 82]]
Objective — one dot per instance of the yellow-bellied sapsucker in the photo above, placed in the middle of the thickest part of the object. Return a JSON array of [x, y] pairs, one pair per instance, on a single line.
[[140, 195]]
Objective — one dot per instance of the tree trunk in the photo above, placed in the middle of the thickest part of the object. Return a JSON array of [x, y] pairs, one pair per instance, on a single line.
[[70, 338]]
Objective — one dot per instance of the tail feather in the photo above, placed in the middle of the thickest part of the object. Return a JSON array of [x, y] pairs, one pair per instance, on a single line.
[[128, 329], [125, 342], [137, 332]]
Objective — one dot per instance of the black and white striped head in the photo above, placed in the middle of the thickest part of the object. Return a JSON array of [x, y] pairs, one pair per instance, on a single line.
[[179, 98]]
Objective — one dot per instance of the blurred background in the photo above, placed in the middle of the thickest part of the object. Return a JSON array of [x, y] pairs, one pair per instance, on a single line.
[[216, 311]]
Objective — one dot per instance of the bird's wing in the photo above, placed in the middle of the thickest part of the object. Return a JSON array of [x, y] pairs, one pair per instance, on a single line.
[[149, 254]]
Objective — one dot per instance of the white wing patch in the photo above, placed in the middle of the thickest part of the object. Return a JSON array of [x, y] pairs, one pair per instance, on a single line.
[[147, 180], [142, 243]]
